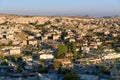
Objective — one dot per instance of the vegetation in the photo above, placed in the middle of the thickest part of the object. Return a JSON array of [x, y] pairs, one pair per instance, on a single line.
[[104, 69], [26, 53], [64, 34], [57, 65], [73, 49], [9, 44], [4, 23], [71, 76], [4, 63], [34, 24], [62, 50]]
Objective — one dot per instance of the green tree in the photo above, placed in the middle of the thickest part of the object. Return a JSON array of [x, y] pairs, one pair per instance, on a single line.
[[56, 65], [19, 69], [14, 59], [73, 49], [5, 63], [62, 50], [71, 76], [104, 69], [10, 43], [64, 34]]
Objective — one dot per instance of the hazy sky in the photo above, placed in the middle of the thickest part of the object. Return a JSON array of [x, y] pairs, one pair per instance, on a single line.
[[61, 7]]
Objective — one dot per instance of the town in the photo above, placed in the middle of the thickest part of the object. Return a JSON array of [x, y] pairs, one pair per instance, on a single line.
[[59, 48]]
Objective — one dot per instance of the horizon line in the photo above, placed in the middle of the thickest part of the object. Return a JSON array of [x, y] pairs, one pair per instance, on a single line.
[[59, 15]]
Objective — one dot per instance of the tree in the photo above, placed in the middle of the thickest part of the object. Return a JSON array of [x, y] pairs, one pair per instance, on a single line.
[[56, 65], [10, 43], [104, 69], [71, 76], [5, 63], [62, 50], [73, 49], [19, 69], [64, 34], [34, 23], [14, 59]]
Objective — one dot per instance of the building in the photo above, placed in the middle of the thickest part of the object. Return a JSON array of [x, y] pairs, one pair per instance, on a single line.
[[55, 37], [87, 61], [65, 62], [69, 55], [27, 58], [111, 56], [15, 51], [46, 56], [32, 42]]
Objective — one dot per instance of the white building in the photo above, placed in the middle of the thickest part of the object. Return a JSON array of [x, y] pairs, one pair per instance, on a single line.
[[112, 56], [15, 51], [10, 36], [30, 37], [32, 42], [56, 37], [46, 56]]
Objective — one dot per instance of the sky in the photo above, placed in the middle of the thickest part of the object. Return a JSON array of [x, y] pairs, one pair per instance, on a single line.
[[61, 7]]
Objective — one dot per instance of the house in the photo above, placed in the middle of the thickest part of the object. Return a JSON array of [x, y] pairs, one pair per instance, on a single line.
[[27, 58], [5, 52], [114, 34], [44, 38], [52, 43], [111, 56], [15, 51], [30, 37], [16, 42], [32, 65], [4, 41], [99, 43], [69, 55], [47, 34], [32, 42], [37, 35], [55, 37], [10, 36], [93, 45], [67, 37], [46, 56], [71, 39], [24, 42], [85, 49], [87, 61], [65, 62], [43, 56], [78, 38], [106, 32]]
